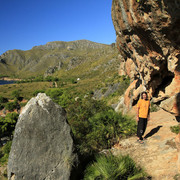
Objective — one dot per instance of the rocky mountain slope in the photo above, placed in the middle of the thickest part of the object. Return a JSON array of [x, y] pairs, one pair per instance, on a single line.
[[51, 57], [148, 40]]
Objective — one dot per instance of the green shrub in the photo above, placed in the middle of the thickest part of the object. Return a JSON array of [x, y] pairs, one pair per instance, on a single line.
[[38, 91], [3, 99], [107, 127], [10, 106], [54, 93], [73, 81], [65, 99], [60, 96], [112, 167], [1, 106], [56, 79], [49, 78], [15, 94], [4, 152], [78, 113], [7, 124], [96, 126], [39, 79], [175, 129], [23, 104], [91, 92], [7, 147]]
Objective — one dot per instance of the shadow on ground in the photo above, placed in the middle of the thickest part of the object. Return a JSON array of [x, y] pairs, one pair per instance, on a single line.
[[153, 131]]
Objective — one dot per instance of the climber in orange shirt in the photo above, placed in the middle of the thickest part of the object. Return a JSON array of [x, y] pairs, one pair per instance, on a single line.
[[143, 111]]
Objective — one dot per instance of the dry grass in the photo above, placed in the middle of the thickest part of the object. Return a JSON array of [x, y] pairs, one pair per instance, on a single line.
[[26, 89]]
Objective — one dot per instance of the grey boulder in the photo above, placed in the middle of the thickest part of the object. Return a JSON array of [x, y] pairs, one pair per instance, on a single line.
[[42, 147]]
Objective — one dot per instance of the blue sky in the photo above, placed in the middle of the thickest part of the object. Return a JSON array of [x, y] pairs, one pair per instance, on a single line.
[[28, 23]]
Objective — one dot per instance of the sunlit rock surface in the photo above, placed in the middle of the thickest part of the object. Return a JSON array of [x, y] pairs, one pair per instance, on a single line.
[[148, 41], [42, 147]]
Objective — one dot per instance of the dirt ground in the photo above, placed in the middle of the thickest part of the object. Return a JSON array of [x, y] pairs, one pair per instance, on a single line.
[[158, 154]]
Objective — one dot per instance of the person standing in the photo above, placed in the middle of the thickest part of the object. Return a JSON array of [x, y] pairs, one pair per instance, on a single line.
[[143, 112]]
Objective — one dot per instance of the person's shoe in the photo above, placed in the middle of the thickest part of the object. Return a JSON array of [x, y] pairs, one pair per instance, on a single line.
[[141, 141]]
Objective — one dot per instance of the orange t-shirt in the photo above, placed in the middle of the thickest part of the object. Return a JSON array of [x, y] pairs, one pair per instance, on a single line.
[[143, 106]]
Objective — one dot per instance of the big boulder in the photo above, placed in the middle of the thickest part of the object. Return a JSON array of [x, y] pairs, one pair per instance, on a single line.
[[148, 40], [42, 147]]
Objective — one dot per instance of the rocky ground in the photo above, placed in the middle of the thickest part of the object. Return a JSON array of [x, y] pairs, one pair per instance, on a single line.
[[158, 154]]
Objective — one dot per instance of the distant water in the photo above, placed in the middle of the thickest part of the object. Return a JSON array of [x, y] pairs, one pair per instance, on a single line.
[[2, 82]]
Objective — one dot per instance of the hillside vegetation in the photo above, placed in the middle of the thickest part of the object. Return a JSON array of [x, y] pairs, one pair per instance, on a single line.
[[79, 74], [60, 56], [95, 65]]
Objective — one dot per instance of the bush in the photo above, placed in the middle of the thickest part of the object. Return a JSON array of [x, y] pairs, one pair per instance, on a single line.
[[3, 100], [78, 113], [65, 99], [4, 152], [60, 96], [1, 106], [38, 91], [39, 79], [15, 94], [54, 93], [73, 81], [7, 124], [96, 126], [113, 168], [7, 147], [49, 78], [56, 79], [107, 127], [23, 104], [10, 106], [175, 129]]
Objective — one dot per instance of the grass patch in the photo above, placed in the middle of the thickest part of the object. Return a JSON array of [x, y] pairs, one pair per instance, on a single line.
[[175, 129], [26, 89], [112, 167]]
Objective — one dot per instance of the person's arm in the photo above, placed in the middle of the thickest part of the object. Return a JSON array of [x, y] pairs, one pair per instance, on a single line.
[[148, 118], [138, 107]]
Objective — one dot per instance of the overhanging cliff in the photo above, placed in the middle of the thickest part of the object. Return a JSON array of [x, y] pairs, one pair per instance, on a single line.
[[148, 39]]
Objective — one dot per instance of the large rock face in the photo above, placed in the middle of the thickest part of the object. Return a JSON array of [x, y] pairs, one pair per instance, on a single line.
[[42, 147], [148, 40]]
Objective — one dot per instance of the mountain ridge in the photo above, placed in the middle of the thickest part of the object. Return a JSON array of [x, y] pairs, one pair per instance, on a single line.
[[37, 60]]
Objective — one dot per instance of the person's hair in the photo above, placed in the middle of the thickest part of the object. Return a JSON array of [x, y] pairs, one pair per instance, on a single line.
[[144, 92]]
